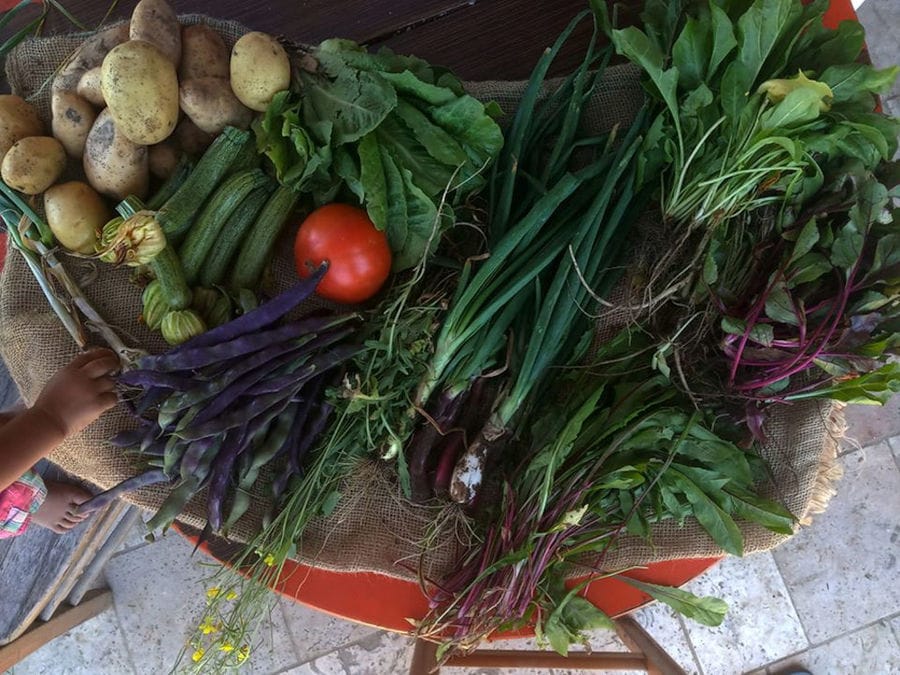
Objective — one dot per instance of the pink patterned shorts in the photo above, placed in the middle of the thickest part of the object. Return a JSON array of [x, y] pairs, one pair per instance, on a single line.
[[19, 502]]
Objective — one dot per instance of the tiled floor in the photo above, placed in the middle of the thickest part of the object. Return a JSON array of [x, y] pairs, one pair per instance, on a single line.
[[827, 600]]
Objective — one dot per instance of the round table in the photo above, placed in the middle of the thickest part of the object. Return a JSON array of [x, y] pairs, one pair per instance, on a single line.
[[486, 51]]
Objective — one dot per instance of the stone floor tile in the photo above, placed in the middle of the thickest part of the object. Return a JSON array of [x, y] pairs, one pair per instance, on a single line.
[[667, 628], [96, 647], [380, 653], [315, 633], [869, 651], [871, 424], [842, 570], [895, 449], [159, 592], [761, 624]]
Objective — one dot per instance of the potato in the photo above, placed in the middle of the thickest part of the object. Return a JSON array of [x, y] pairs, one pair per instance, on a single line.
[[163, 158], [141, 91], [114, 165], [17, 120], [154, 21], [72, 119], [89, 55], [33, 164], [211, 105], [203, 53], [260, 68], [191, 139], [76, 214], [89, 87]]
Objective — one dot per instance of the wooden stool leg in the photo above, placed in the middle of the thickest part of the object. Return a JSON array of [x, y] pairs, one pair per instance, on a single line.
[[424, 659], [640, 641], [62, 621]]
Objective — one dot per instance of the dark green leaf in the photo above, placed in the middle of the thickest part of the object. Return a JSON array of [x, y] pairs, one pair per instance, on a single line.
[[690, 53], [355, 102], [466, 120], [780, 308], [806, 239], [711, 517], [373, 181], [799, 106], [408, 84], [723, 40], [809, 268], [847, 248], [431, 176], [847, 81], [769, 514], [759, 28], [842, 45], [761, 333], [874, 388], [707, 611], [634, 45], [439, 144]]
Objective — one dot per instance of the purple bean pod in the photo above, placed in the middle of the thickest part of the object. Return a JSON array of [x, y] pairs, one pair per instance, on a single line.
[[264, 315], [97, 502]]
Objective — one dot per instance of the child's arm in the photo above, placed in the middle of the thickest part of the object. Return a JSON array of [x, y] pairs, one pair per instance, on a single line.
[[76, 396]]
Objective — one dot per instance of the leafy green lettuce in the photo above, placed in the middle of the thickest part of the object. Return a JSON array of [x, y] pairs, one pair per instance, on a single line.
[[392, 132]]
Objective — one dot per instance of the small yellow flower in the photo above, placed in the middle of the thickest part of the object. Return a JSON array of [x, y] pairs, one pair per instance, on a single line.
[[243, 653], [269, 560], [212, 592], [197, 655], [208, 626], [231, 595], [227, 647]]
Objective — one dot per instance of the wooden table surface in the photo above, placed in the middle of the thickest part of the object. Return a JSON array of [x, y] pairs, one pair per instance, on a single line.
[[477, 39]]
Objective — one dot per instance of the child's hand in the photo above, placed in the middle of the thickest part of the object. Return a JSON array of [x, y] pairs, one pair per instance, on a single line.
[[79, 393]]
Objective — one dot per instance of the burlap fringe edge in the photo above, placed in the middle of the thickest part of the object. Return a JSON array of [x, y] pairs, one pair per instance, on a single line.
[[830, 471]]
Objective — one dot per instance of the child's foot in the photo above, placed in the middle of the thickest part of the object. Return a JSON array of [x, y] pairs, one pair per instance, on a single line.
[[57, 513]]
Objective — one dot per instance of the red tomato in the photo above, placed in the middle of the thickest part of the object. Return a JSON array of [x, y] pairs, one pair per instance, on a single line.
[[358, 254]]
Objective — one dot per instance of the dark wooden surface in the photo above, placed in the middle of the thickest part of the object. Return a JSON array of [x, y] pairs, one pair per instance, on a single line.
[[478, 39]]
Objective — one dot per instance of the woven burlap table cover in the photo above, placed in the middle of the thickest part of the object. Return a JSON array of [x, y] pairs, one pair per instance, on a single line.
[[373, 528]]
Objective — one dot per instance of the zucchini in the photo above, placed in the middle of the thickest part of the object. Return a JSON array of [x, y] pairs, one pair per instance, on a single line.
[[167, 269], [166, 266], [206, 229], [215, 267], [177, 214], [257, 246], [172, 183]]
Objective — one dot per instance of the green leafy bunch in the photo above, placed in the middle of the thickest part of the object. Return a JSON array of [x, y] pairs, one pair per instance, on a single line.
[[757, 103], [392, 132]]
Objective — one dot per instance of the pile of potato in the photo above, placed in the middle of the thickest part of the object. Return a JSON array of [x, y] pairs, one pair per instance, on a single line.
[[128, 104]]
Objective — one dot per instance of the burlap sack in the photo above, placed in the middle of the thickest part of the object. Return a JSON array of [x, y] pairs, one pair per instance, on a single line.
[[373, 529]]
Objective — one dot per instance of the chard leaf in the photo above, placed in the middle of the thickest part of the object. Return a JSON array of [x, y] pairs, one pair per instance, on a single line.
[[761, 333], [807, 238], [690, 53], [373, 181], [711, 517], [708, 611], [723, 40], [808, 268], [887, 256], [780, 307], [849, 80], [847, 248]]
